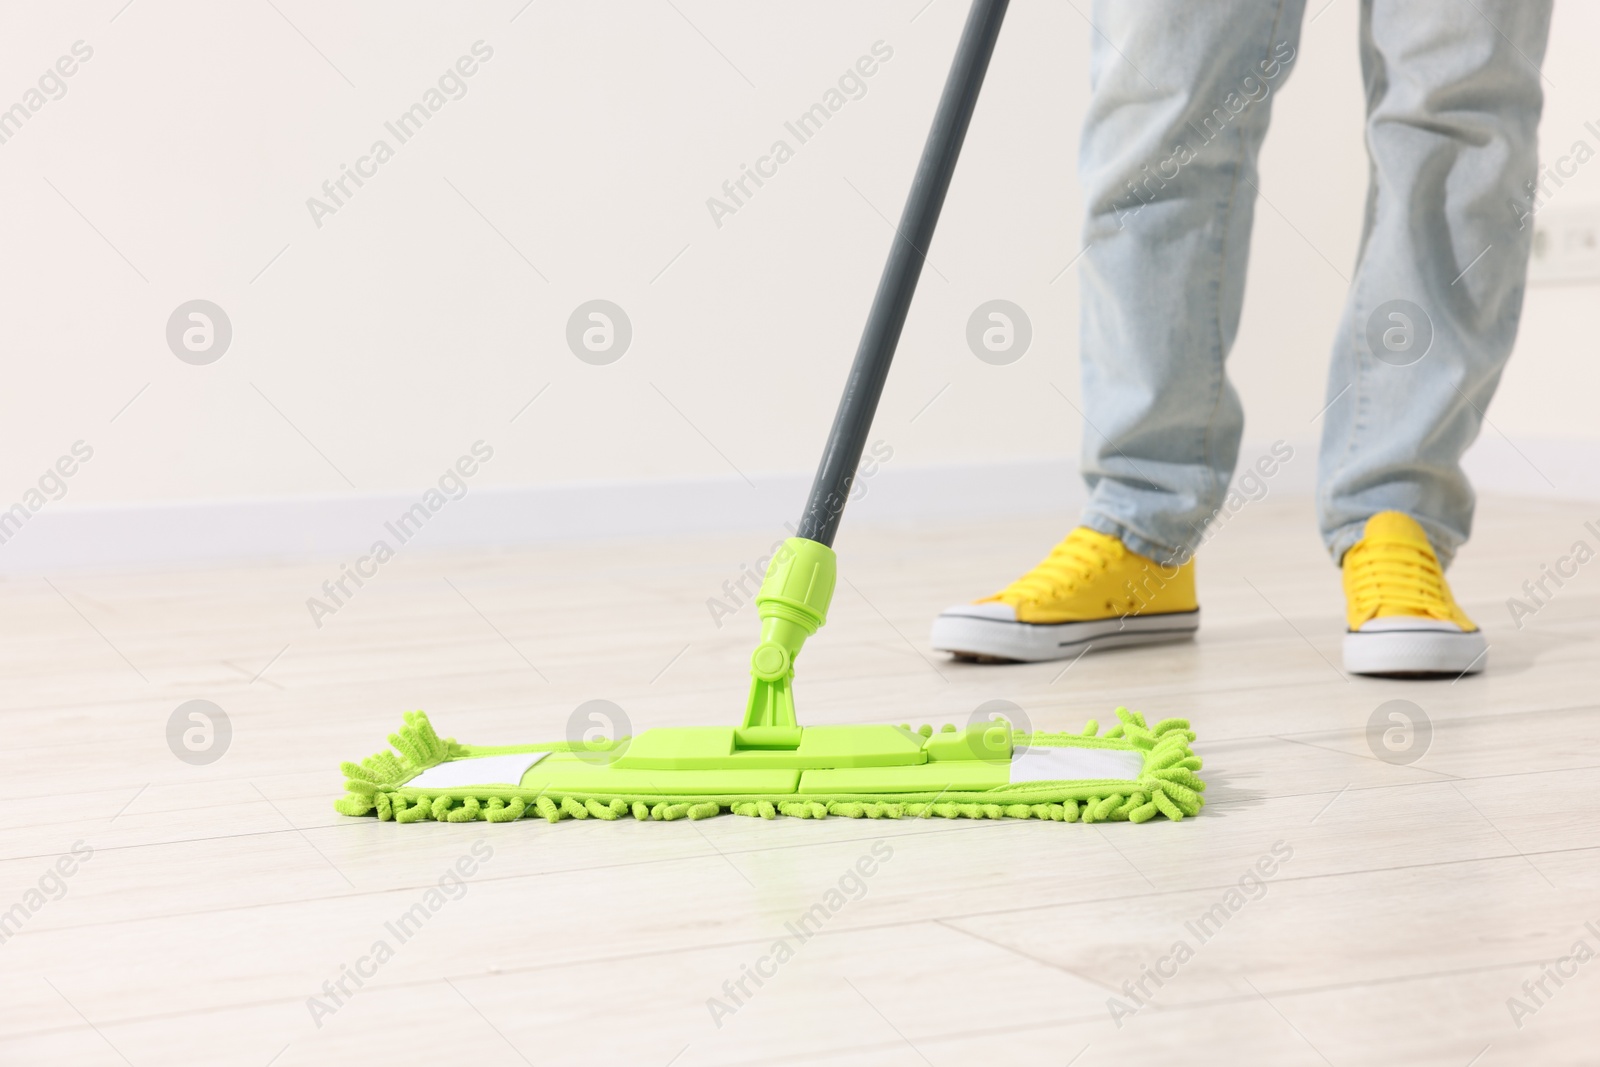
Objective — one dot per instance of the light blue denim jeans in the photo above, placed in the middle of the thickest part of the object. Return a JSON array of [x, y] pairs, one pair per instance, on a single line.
[[1182, 95]]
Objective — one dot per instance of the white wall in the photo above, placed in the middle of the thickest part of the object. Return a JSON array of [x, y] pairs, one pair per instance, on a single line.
[[407, 326]]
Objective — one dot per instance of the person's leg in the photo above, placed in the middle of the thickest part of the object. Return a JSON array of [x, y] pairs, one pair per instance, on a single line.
[[1453, 101], [1180, 103]]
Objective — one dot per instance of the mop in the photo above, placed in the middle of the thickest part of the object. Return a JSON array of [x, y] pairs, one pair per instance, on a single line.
[[769, 765]]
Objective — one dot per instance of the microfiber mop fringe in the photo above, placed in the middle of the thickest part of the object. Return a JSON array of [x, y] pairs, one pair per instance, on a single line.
[[1169, 786]]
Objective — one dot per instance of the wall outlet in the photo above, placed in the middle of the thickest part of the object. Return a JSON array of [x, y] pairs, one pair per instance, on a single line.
[[1566, 245]]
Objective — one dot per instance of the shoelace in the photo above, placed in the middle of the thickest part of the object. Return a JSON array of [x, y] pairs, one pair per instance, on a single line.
[[1393, 573], [1071, 562]]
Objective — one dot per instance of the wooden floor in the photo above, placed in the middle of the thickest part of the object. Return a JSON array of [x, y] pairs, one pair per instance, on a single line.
[[223, 905]]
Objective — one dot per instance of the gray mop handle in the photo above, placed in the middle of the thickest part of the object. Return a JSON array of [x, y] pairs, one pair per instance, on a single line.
[[853, 422]]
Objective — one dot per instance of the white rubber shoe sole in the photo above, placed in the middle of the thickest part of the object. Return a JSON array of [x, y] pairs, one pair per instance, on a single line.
[[974, 633], [1411, 647]]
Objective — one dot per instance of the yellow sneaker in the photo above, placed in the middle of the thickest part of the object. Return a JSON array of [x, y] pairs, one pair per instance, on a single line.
[[1403, 619], [1090, 591]]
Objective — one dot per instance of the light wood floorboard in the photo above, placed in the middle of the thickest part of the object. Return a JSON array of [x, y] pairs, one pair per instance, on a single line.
[[1414, 901]]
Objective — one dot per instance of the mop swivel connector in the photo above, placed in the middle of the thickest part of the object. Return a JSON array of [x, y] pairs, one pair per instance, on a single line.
[[793, 604]]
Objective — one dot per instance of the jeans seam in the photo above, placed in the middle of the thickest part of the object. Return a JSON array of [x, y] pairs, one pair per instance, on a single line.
[[1218, 487], [1355, 426]]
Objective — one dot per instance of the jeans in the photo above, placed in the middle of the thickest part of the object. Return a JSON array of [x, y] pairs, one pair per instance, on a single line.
[[1182, 95]]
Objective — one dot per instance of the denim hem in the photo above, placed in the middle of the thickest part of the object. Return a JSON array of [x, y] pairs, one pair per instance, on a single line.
[[1341, 540], [1131, 540]]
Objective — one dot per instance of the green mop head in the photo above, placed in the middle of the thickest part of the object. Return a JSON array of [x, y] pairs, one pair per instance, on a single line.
[[1132, 772], [771, 766]]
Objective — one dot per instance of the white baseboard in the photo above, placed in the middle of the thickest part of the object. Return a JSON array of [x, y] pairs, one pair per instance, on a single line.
[[1561, 469], [63, 537]]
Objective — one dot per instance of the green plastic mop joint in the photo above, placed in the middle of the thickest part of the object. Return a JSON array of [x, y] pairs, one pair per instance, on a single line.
[[793, 604]]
